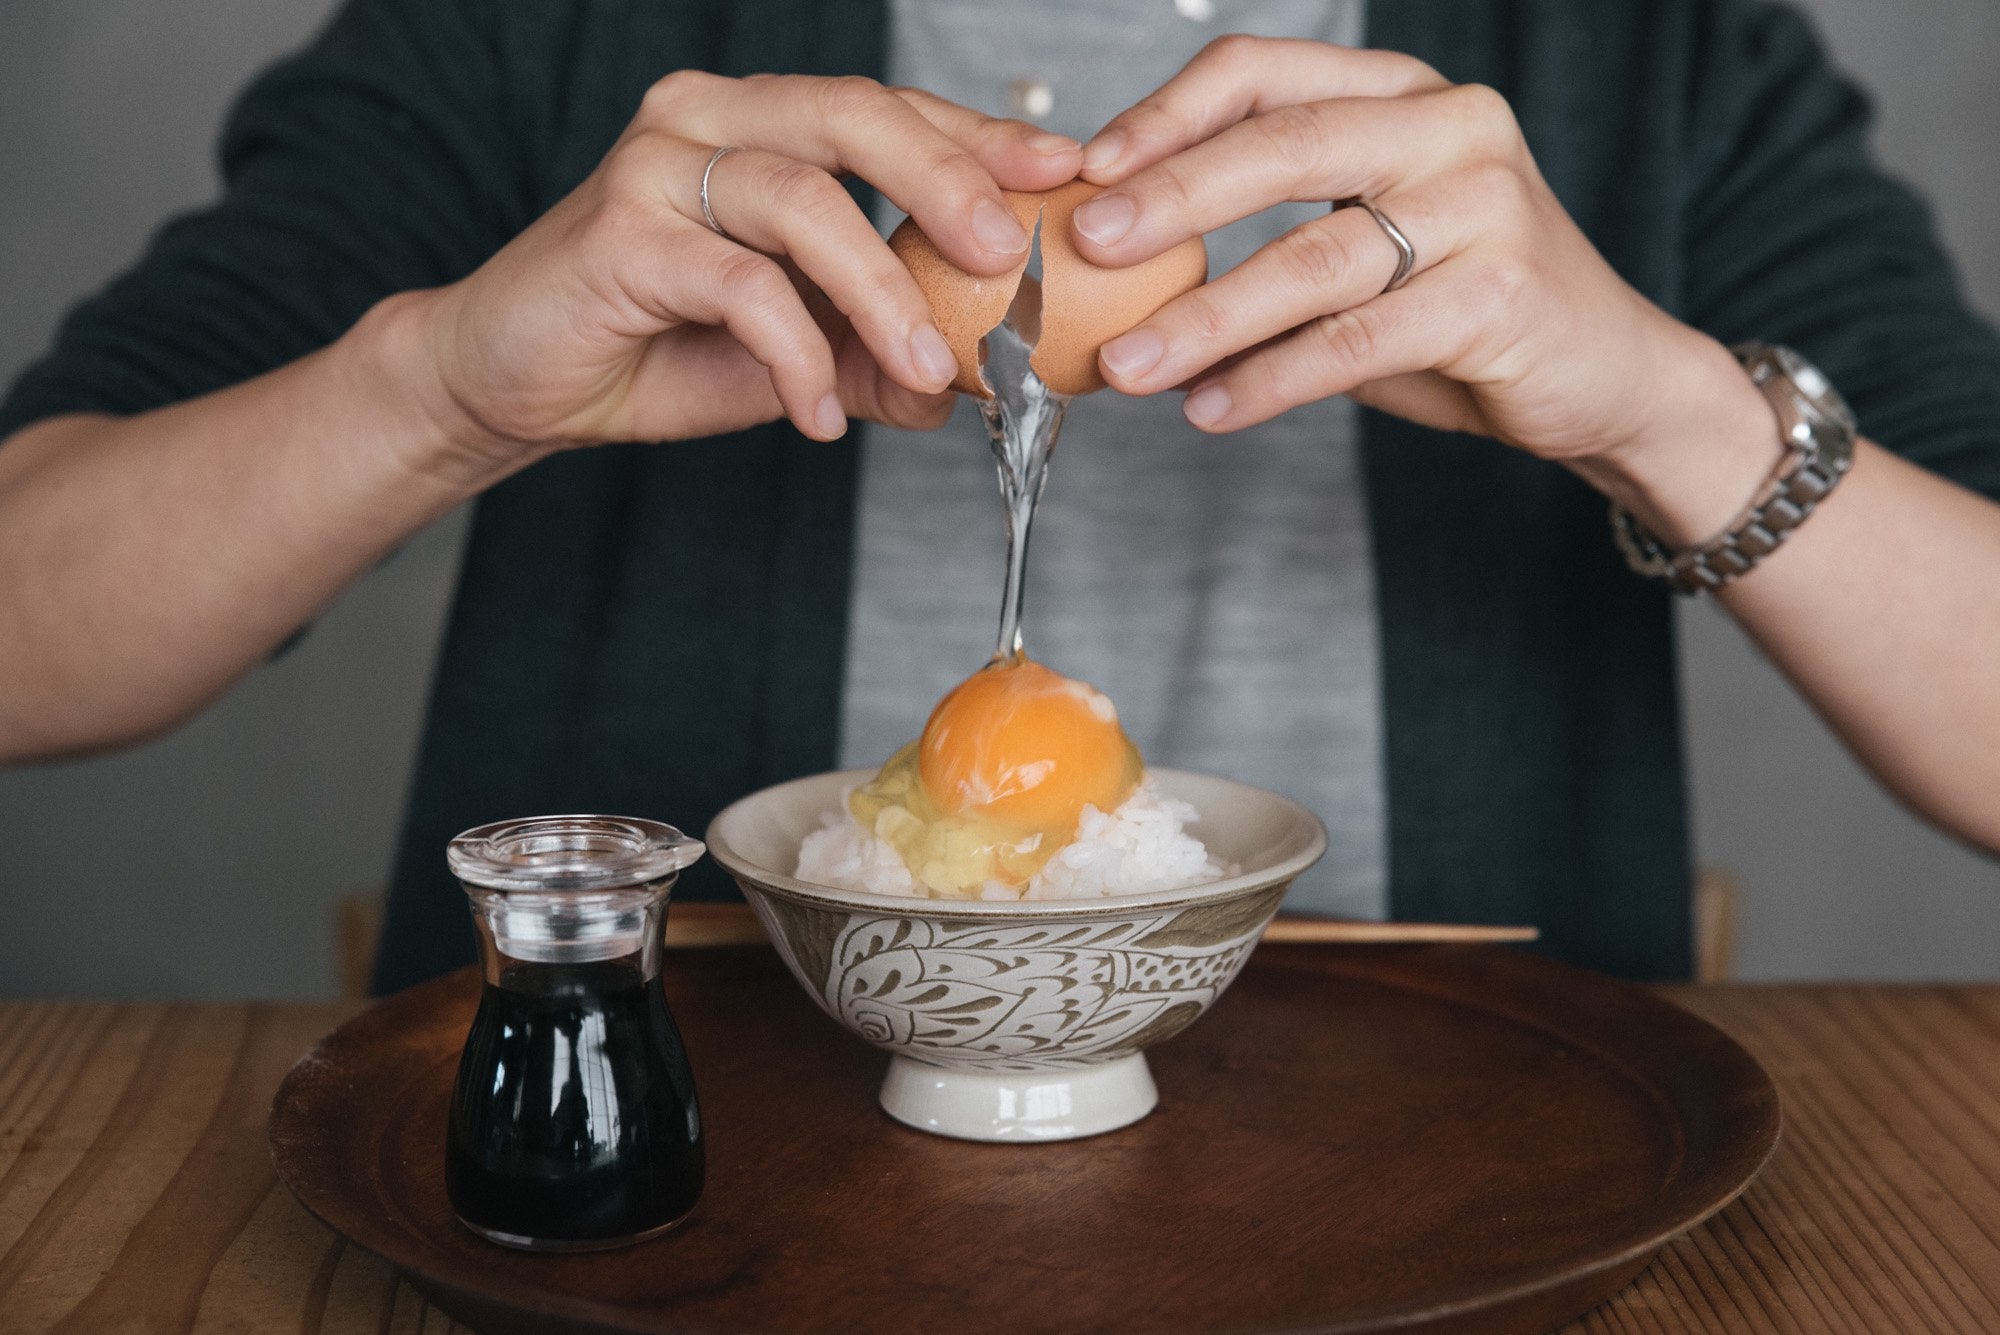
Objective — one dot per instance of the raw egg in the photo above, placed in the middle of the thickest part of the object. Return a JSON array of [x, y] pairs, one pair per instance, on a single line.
[[1082, 306], [999, 780]]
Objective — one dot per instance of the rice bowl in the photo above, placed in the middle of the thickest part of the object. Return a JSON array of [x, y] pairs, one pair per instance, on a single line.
[[1017, 1020]]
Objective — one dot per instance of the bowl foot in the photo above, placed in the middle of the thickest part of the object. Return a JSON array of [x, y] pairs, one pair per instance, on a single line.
[[1056, 1104]]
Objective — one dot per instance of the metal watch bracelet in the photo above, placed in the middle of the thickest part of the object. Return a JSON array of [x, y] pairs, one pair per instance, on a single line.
[[1818, 431]]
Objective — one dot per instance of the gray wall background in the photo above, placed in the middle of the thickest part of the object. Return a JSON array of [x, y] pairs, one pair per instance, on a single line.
[[208, 864]]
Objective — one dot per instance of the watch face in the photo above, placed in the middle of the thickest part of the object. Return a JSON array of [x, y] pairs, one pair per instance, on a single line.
[[1820, 395]]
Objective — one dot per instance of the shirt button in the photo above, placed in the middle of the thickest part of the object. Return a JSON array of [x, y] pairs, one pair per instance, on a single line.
[[1032, 98]]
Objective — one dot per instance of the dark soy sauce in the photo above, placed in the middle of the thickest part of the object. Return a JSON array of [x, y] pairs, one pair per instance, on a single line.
[[574, 1119]]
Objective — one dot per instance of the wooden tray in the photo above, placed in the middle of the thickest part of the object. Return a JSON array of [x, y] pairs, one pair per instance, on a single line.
[[1356, 1139]]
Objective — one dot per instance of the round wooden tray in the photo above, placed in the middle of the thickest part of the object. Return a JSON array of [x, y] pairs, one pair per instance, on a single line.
[[1356, 1139]]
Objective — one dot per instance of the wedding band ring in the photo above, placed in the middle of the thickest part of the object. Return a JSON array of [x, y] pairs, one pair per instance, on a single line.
[[708, 213], [1406, 254]]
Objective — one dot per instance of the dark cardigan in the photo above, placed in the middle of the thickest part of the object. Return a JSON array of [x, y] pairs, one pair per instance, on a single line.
[[658, 630]]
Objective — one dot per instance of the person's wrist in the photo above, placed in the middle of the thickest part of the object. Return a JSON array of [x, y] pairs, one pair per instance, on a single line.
[[1709, 444], [392, 361]]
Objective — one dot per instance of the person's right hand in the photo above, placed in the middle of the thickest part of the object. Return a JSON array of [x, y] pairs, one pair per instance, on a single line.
[[620, 315]]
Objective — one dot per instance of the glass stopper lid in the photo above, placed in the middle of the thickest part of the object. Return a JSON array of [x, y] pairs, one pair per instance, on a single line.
[[570, 853]]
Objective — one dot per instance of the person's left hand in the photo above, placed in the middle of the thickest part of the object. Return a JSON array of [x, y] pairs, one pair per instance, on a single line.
[[1511, 324]]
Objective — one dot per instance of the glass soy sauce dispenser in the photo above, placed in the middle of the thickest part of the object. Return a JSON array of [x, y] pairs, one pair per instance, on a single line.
[[573, 1122]]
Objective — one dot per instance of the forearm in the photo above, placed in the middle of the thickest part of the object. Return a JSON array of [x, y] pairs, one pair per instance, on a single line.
[[1882, 609], [146, 563]]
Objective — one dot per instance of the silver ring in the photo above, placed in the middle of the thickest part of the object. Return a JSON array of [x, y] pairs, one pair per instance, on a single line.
[[707, 213], [1406, 254]]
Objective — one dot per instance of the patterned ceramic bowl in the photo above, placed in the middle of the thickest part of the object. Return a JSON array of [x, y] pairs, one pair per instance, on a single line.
[[1010, 1020]]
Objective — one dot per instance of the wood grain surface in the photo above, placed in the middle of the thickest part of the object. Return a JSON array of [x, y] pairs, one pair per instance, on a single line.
[[136, 1193], [1355, 1139]]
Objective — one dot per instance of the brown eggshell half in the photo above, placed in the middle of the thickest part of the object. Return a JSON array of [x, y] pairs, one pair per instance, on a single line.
[[965, 306], [1084, 306]]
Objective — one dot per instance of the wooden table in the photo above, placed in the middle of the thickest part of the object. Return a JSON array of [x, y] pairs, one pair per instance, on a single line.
[[136, 1193]]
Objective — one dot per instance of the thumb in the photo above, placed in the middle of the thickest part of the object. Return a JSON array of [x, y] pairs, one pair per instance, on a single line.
[[868, 393]]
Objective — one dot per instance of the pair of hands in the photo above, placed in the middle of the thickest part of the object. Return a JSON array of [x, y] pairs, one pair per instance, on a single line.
[[621, 316]]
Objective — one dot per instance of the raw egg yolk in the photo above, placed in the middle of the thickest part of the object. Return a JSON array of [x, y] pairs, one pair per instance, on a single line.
[[1019, 745], [998, 782]]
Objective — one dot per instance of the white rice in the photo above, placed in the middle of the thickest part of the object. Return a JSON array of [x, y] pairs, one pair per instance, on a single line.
[[1142, 846]]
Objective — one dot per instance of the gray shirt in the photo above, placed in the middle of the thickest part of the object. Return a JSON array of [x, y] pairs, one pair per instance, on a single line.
[[1217, 588]]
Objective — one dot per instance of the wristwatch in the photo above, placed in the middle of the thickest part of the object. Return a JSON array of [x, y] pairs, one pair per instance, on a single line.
[[1818, 431]]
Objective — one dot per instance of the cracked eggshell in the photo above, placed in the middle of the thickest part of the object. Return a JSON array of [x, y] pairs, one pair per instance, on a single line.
[[965, 306], [1084, 306]]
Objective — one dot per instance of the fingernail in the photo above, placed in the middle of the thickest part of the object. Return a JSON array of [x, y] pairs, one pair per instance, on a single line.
[[1106, 218], [1132, 355], [933, 356], [1104, 150], [1207, 405], [1050, 144], [997, 229], [830, 418]]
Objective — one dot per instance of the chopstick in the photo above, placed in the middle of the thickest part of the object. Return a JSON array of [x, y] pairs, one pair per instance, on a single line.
[[697, 925], [694, 925], [1331, 931]]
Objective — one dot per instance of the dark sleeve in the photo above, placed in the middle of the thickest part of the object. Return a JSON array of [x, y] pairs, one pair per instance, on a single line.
[[1796, 237], [378, 160]]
